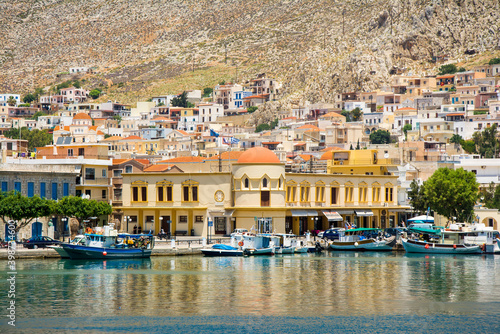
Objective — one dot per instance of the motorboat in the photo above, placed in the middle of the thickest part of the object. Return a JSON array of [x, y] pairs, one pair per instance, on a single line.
[[222, 250], [107, 244], [79, 239], [363, 239], [437, 241]]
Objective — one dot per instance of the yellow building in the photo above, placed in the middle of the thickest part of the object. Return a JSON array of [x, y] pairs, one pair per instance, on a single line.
[[257, 188]]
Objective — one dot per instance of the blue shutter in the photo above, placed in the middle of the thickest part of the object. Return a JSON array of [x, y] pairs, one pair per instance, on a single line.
[[54, 191], [43, 191], [17, 186], [31, 189], [5, 186], [65, 189]]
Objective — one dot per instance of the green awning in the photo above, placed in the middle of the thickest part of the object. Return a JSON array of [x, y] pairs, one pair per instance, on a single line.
[[425, 231]]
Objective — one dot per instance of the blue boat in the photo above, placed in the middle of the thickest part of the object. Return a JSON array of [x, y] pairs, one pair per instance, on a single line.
[[111, 246], [222, 250]]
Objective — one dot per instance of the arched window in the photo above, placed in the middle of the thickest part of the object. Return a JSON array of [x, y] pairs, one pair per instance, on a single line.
[[264, 183], [246, 183]]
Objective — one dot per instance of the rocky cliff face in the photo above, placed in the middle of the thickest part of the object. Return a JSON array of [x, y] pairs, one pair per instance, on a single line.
[[315, 47]]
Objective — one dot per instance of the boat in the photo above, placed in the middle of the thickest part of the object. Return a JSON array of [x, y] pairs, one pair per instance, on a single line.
[[257, 244], [222, 250], [285, 243], [107, 244], [433, 241], [79, 239], [285, 250], [363, 239]]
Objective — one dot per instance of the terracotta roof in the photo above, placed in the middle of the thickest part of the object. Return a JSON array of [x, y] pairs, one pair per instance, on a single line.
[[81, 116], [271, 142], [58, 128], [299, 144], [328, 149], [445, 76], [308, 126], [259, 155], [182, 159], [158, 168], [143, 161], [455, 114], [313, 130], [406, 109], [183, 132], [119, 161], [330, 114], [292, 117], [132, 138], [99, 132], [306, 157], [113, 138], [260, 96], [232, 155], [93, 127]]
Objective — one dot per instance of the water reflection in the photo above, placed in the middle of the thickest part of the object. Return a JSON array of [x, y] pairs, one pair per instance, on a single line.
[[341, 284]]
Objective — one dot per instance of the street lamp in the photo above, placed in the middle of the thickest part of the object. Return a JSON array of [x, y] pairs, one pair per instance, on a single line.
[[64, 220]]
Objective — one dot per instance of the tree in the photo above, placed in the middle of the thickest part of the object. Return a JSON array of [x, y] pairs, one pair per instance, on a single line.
[[357, 145], [494, 61], [486, 142], [406, 128], [456, 139], [207, 91], [347, 115], [380, 137], [77, 84], [181, 101], [262, 127], [11, 101], [38, 114], [356, 114], [252, 109], [452, 193], [35, 138], [491, 196], [81, 208], [95, 93], [28, 98], [468, 146], [447, 69], [416, 194], [23, 209]]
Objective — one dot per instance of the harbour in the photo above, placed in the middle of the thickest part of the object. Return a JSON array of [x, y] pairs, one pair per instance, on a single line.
[[356, 291]]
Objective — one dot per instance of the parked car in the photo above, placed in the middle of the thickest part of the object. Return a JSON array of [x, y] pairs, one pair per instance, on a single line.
[[40, 242], [320, 234], [332, 234]]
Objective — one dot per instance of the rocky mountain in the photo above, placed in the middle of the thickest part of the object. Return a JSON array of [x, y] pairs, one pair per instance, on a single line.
[[315, 47]]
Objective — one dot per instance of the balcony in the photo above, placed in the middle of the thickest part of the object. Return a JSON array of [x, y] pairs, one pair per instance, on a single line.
[[97, 181]]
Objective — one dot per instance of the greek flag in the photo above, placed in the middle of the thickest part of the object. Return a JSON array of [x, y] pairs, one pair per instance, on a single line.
[[230, 141], [213, 133]]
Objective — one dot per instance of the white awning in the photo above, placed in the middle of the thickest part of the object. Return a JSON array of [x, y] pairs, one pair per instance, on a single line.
[[345, 212], [228, 213], [364, 213], [299, 213], [333, 216], [312, 213]]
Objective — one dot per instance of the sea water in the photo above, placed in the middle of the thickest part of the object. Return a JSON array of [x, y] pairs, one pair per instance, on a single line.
[[307, 293]]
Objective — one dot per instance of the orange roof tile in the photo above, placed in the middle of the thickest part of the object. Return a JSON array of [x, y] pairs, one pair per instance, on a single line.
[[306, 157], [260, 96], [143, 161], [113, 138], [81, 116], [406, 109], [182, 159], [183, 132], [455, 114], [132, 138], [232, 155], [292, 117], [158, 168], [308, 126], [119, 161], [331, 114]]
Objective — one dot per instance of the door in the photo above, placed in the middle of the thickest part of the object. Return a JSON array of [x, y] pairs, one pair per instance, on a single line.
[[220, 225], [36, 229], [165, 224], [264, 198]]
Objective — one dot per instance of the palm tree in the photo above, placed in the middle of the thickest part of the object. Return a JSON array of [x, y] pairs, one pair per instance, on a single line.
[[11, 101]]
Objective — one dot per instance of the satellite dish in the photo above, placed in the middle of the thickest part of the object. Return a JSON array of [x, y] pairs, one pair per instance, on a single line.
[[386, 156]]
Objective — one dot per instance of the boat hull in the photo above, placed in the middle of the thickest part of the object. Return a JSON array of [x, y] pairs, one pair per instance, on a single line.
[[361, 245], [221, 252], [258, 251], [60, 250], [78, 252], [285, 250], [412, 246]]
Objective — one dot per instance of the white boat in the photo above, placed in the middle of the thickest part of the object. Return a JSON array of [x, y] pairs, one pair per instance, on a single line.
[[256, 244], [79, 239], [222, 250], [362, 239]]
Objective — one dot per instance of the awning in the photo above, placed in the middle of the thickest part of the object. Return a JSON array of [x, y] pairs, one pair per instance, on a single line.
[[392, 169], [304, 213], [346, 212], [333, 216], [228, 213], [364, 213]]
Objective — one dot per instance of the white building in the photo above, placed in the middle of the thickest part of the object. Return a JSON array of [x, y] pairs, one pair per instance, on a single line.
[[5, 97], [209, 112], [351, 105]]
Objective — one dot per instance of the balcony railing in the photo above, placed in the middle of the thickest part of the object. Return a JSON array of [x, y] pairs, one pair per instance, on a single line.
[[97, 181]]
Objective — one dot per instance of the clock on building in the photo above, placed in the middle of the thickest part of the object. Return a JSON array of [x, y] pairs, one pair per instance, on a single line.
[[219, 196]]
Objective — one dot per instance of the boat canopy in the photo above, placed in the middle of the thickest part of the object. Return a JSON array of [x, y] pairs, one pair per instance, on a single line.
[[363, 229], [423, 218], [224, 247], [425, 230]]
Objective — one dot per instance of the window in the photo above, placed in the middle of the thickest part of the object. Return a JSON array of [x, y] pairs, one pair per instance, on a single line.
[[70, 152], [81, 151], [65, 189], [128, 169], [190, 191], [304, 191], [5, 186], [198, 219], [90, 173], [104, 194], [17, 186], [320, 192], [117, 194], [54, 191], [135, 194], [43, 190], [117, 173], [183, 219], [349, 190], [363, 190], [265, 198], [334, 195], [103, 173], [164, 191], [31, 189], [139, 191], [376, 193], [264, 183], [246, 183], [291, 192], [389, 194]]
